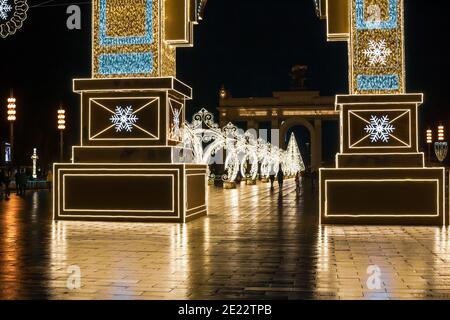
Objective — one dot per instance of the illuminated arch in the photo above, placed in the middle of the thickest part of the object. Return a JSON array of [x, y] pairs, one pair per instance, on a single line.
[[204, 138]]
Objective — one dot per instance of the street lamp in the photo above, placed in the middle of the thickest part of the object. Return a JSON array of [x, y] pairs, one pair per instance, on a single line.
[[441, 147], [61, 128], [441, 133], [429, 143], [34, 158], [11, 118]]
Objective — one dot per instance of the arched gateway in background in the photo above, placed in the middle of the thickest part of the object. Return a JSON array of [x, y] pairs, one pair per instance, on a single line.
[[283, 111]]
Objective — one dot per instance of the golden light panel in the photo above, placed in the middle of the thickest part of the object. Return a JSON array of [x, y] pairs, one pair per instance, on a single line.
[[126, 38], [377, 47], [138, 38]]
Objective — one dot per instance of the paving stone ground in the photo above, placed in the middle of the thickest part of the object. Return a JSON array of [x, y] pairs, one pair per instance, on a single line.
[[254, 245]]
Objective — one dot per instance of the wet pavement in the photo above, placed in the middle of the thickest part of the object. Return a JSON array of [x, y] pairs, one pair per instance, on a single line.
[[254, 245]]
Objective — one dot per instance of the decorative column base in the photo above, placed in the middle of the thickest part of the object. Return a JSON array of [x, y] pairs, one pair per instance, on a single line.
[[250, 182], [410, 196], [129, 192], [380, 177]]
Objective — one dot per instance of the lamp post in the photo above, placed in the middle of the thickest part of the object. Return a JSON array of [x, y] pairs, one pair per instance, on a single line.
[[61, 128], [429, 143], [441, 147], [11, 112]]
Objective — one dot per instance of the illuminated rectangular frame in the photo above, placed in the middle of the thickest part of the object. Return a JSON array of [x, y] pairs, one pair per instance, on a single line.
[[356, 217], [421, 154], [118, 175], [174, 82], [407, 145], [153, 99], [59, 197], [185, 215], [172, 89], [195, 209], [340, 106], [327, 182]]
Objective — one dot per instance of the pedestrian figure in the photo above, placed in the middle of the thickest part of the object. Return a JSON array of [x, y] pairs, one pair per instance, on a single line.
[[297, 182], [49, 179], [272, 181], [280, 177], [6, 183], [23, 181], [16, 179], [2, 178]]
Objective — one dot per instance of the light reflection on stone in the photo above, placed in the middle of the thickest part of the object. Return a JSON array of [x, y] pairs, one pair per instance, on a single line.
[[248, 247]]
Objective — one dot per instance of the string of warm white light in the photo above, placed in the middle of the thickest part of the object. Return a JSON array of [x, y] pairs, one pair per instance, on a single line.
[[203, 139]]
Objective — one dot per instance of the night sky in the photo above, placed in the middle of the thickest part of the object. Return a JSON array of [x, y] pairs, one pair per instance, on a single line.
[[247, 45]]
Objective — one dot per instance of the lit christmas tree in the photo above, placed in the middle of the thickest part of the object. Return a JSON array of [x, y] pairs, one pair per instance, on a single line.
[[294, 156]]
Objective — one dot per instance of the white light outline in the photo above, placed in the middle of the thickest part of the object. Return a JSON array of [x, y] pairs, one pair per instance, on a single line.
[[202, 207], [99, 168], [354, 113], [435, 215], [133, 89], [119, 175], [441, 187], [150, 104], [341, 106], [384, 95], [181, 168]]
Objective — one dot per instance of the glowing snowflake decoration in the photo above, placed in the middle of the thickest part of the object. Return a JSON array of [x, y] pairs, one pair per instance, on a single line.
[[4, 9], [124, 119], [379, 129], [378, 52]]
